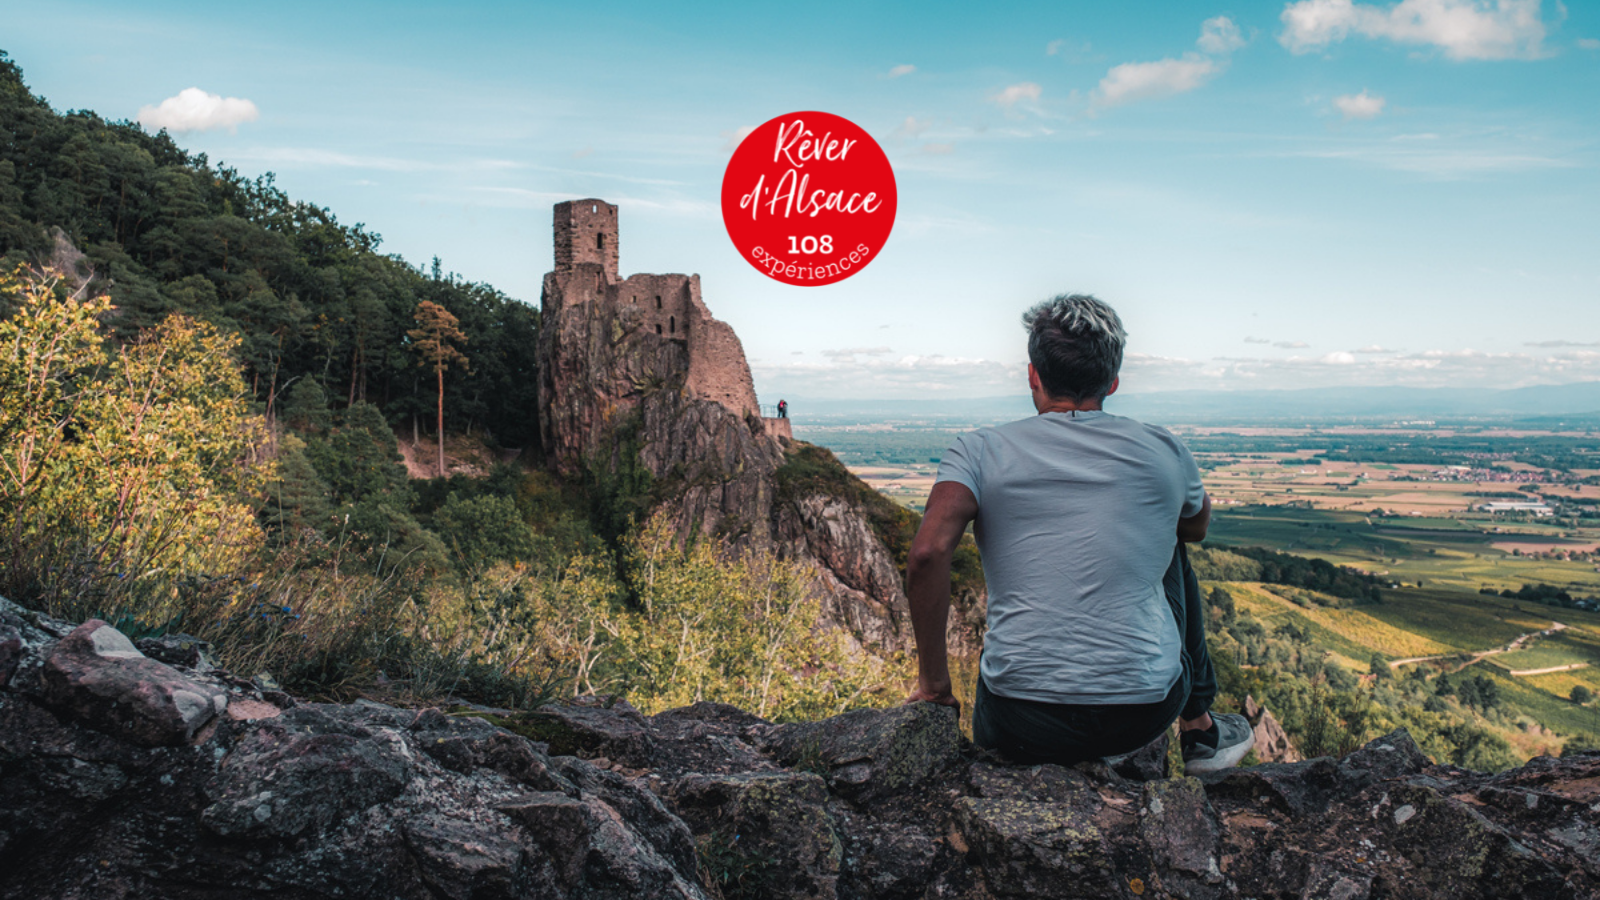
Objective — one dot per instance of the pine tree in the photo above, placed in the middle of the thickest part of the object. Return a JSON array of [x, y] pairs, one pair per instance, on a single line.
[[436, 335], [297, 500]]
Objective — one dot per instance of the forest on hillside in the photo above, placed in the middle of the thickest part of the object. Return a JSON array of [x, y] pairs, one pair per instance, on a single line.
[[162, 231]]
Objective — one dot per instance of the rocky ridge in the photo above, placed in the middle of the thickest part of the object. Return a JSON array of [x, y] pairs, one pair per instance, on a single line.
[[140, 770]]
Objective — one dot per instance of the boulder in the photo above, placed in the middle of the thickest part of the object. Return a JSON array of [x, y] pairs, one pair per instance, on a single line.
[[1148, 763], [871, 753], [589, 846], [10, 655], [1393, 756], [1179, 827], [613, 730], [96, 675], [304, 770], [467, 745], [1025, 848], [1272, 743], [763, 834]]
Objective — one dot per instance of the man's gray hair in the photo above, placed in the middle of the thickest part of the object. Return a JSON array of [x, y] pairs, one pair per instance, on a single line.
[[1075, 344]]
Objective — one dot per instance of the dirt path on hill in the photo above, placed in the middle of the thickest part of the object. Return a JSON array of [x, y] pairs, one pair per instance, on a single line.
[[1566, 668], [1516, 644]]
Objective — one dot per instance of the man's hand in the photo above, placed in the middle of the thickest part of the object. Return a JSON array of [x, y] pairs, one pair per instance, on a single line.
[[950, 507], [943, 697]]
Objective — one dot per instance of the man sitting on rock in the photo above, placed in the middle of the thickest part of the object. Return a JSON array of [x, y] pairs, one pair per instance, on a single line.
[[1096, 637]]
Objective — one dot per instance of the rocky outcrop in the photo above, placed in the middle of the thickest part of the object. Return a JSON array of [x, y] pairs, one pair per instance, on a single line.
[[614, 395], [637, 375], [861, 588], [97, 675], [591, 800], [1272, 742]]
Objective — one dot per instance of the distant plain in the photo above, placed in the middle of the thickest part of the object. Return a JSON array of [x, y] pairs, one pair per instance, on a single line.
[[1403, 500]]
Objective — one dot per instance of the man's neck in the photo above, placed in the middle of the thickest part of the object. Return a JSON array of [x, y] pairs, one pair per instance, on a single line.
[[1044, 403]]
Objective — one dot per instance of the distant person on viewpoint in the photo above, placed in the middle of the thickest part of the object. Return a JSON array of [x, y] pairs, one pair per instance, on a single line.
[[783, 409], [1096, 639]]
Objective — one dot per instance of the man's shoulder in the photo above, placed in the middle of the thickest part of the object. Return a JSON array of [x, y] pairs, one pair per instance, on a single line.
[[1103, 421], [1154, 431]]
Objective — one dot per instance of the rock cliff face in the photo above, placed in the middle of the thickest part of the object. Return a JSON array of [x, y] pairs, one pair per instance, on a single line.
[[637, 372], [139, 771], [1272, 742], [615, 394]]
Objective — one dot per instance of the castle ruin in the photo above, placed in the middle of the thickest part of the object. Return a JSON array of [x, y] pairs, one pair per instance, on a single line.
[[668, 306], [643, 391]]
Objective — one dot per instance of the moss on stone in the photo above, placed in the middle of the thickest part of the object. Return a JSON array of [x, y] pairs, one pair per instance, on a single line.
[[562, 738]]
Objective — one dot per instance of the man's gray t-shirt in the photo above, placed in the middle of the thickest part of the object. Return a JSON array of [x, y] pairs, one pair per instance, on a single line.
[[1077, 521]]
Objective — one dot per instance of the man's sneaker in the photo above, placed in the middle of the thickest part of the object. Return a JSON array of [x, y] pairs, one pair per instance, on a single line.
[[1226, 742]]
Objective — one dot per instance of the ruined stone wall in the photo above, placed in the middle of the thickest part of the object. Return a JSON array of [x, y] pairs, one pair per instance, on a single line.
[[660, 303], [717, 367], [777, 427], [586, 256], [578, 284], [586, 232]]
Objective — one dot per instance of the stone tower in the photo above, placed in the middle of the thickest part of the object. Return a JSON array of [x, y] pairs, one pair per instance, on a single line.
[[586, 232]]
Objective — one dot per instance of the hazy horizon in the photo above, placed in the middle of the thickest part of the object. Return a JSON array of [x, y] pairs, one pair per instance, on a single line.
[[1580, 400]]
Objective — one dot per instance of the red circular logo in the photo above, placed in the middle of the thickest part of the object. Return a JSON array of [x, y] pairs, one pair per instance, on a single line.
[[809, 198]]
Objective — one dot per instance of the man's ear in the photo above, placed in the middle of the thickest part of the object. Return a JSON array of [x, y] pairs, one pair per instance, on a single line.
[[1033, 378], [1113, 389]]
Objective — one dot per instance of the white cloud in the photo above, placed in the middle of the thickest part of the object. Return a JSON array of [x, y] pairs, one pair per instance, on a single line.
[[1017, 93], [1220, 36], [1145, 81], [850, 353], [580, 154], [1562, 344], [1372, 348], [898, 71], [1256, 340], [1434, 368], [938, 149], [1441, 162], [1359, 106], [881, 377], [1291, 345], [1071, 51], [195, 110], [911, 127], [1130, 82], [1464, 29], [734, 138], [1589, 43]]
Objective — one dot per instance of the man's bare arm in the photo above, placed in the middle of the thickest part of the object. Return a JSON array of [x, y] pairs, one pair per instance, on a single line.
[[950, 507], [1193, 529]]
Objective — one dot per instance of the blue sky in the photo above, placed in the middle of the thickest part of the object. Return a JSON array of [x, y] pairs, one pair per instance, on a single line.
[[1274, 194]]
